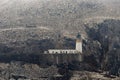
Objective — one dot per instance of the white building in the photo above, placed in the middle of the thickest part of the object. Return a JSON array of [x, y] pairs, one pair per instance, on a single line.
[[77, 50], [60, 51]]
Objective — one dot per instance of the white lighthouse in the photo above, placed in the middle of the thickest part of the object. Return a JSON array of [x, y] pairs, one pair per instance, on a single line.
[[79, 43]]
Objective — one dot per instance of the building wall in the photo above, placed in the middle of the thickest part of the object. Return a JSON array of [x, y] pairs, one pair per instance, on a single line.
[[60, 58], [55, 51], [79, 46]]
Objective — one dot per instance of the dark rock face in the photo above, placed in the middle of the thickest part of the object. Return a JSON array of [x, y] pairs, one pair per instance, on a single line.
[[107, 34]]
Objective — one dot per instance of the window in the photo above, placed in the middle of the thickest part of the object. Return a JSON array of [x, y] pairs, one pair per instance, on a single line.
[[52, 51], [56, 52], [66, 51]]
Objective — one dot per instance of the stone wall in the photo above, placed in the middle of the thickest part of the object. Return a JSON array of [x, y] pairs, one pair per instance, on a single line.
[[60, 58]]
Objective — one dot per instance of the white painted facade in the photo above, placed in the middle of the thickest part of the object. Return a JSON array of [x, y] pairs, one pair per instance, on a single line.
[[60, 51], [79, 46]]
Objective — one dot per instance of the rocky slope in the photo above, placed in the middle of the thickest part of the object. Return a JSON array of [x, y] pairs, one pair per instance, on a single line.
[[60, 14], [23, 34], [28, 27], [107, 36], [21, 71]]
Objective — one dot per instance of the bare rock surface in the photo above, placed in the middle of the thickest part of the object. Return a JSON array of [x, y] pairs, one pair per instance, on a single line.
[[86, 75], [19, 71]]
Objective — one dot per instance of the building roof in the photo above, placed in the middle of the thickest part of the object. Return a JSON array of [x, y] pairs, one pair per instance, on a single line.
[[78, 35]]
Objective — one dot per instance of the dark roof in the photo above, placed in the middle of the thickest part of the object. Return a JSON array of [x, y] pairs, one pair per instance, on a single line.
[[78, 35]]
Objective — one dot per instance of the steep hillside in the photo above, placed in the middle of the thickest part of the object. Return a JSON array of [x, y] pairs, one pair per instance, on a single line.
[[60, 14], [29, 27], [107, 36], [23, 34]]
